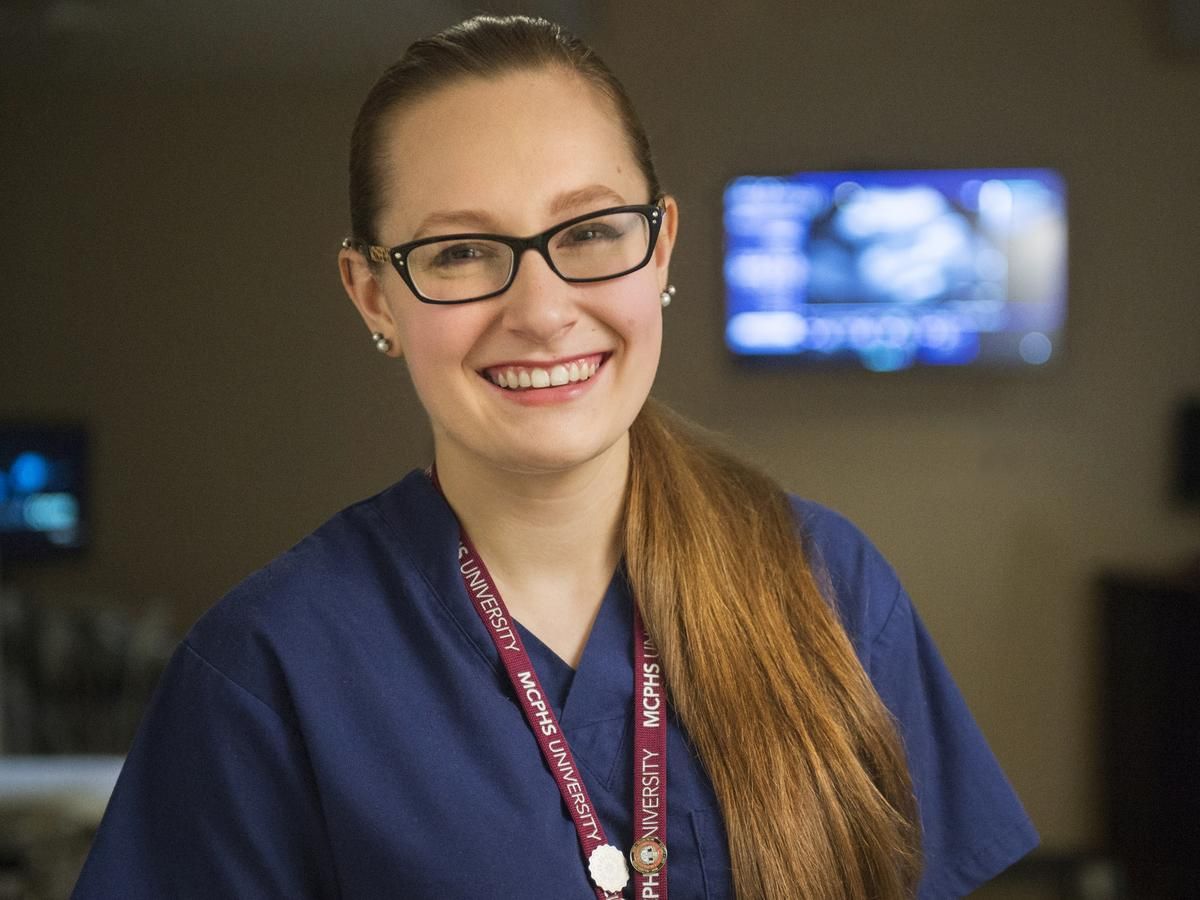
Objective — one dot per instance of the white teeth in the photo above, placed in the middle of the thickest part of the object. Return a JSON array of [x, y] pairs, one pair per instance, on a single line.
[[555, 376]]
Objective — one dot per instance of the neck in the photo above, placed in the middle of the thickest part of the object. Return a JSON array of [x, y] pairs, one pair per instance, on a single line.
[[541, 528]]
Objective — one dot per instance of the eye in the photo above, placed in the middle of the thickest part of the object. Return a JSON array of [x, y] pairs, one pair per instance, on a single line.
[[593, 232], [460, 254], [589, 233]]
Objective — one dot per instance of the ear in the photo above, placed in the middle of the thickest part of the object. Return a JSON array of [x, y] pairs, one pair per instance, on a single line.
[[666, 240], [366, 292]]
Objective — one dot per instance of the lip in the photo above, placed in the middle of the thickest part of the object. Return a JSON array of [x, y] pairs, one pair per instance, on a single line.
[[598, 357], [549, 396]]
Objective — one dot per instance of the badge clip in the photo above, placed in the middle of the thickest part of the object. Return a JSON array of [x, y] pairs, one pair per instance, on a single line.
[[648, 855]]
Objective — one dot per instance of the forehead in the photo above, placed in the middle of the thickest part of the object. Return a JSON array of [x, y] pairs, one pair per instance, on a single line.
[[508, 146]]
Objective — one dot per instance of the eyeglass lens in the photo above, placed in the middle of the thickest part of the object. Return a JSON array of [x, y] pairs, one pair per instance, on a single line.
[[465, 268]]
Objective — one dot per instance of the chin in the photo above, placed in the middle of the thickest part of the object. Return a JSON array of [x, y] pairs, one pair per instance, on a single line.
[[551, 455], [544, 461]]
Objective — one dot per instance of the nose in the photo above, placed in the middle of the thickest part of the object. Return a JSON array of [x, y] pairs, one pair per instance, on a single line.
[[538, 305]]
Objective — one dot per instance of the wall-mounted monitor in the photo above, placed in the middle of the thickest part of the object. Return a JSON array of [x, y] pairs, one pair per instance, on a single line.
[[891, 269], [43, 490]]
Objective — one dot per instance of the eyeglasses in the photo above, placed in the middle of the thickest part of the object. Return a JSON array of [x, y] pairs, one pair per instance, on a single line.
[[463, 268]]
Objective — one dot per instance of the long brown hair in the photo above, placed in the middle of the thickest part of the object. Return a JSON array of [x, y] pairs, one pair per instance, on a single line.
[[802, 753], [803, 756]]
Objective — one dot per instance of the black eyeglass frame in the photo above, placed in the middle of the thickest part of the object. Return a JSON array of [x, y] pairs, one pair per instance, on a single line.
[[398, 255]]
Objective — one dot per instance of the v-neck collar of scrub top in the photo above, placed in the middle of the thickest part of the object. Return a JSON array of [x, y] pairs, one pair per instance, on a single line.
[[587, 700]]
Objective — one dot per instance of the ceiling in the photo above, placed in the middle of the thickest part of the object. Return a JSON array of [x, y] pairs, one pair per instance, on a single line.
[[237, 39]]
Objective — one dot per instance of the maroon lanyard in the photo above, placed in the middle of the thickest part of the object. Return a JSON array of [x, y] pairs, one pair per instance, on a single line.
[[606, 864], [649, 852]]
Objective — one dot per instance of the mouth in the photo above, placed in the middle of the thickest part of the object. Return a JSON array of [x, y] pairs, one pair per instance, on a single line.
[[514, 377]]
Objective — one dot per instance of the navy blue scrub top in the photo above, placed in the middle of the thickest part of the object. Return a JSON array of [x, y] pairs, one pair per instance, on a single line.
[[340, 726]]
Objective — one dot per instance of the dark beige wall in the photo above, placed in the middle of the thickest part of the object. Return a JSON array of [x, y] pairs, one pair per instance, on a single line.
[[997, 498], [169, 277]]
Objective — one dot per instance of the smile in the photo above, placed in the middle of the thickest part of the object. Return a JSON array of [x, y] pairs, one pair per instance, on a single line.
[[521, 378]]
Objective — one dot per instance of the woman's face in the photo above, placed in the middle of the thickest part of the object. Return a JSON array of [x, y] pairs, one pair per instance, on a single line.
[[515, 155]]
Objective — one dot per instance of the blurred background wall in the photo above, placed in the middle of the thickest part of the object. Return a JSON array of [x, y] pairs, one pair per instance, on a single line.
[[173, 194]]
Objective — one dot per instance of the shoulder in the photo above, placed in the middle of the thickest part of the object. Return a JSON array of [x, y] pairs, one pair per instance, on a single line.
[[296, 613], [860, 583], [973, 824], [322, 565]]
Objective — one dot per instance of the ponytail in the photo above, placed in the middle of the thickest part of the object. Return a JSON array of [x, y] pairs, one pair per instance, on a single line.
[[803, 756]]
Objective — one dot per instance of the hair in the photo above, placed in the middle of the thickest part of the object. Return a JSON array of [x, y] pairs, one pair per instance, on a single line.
[[482, 47], [803, 756]]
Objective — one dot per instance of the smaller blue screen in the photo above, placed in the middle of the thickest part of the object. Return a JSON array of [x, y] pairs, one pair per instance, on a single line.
[[894, 269], [42, 490]]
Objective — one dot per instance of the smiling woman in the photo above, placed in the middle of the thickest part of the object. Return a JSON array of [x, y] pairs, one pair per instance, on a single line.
[[476, 683], [557, 164]]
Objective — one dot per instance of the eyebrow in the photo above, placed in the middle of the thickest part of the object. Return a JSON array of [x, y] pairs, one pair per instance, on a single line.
[[455, 219], [593, 193], [586, 197]]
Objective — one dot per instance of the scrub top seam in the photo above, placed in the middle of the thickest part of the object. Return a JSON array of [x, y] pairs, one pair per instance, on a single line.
[[284, 720], [493, 666], [605, 780], [888, 619]]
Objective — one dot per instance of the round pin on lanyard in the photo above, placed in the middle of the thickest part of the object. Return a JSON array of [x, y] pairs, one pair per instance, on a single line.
[[648, 855]]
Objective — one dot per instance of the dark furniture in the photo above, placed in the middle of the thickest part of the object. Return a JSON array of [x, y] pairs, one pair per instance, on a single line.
[[1150, 711]]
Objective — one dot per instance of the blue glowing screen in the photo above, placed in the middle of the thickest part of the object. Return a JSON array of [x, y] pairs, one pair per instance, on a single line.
[[893, 269], [42, 489]]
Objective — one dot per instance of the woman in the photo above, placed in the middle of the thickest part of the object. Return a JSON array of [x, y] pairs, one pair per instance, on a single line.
[[446, 691]]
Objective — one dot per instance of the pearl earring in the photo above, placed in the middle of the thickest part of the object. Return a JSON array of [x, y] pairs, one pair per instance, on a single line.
[[665, 297], [382, 344]]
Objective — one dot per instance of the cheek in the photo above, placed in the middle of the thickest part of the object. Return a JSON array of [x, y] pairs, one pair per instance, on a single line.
[[636, 317], [645, 333], [652, 340], [435, 342], [641, 319]]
